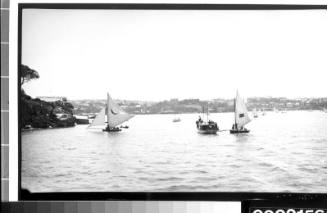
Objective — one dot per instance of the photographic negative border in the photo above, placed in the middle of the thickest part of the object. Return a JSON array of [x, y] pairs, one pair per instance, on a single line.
[[171, 196]]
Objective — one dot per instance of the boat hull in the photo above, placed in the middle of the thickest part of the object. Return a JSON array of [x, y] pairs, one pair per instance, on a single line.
[[208, 131], [207, 128], [82, 121], [115, 129], [232, 131]]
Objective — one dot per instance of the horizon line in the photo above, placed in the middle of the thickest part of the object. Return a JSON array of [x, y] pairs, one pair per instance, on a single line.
[[191, 98]]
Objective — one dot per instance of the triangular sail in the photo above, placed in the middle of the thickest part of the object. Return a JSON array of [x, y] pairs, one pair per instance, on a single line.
[[115, 115], [99, 120], [241, 113]]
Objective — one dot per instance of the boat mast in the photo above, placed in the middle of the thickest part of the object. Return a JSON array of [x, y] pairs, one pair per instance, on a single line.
[[235, 109], [207, 112], [108, 110], [203, 112]]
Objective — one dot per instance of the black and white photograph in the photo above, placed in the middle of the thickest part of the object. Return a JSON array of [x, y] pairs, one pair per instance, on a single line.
[[173, 100]]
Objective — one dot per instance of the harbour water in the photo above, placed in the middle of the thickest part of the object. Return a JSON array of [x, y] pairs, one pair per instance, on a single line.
[[284, 152]]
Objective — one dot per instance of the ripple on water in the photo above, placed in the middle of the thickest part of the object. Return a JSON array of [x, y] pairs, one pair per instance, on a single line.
[[309, 169], [169, 179], [266, 164], [152, 155]]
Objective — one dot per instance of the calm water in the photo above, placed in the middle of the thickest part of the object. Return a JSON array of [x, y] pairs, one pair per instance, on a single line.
[[285, 152]]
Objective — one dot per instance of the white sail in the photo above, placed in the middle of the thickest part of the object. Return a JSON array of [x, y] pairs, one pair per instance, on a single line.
[[241, 113], [99, 120], [115, 115]]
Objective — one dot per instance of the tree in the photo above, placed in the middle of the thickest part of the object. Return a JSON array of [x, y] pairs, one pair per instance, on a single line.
[[27, 74]]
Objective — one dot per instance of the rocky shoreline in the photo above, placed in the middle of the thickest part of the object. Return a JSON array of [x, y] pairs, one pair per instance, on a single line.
[[36, 113]]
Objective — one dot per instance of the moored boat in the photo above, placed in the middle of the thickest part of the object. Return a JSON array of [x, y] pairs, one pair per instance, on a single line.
[[176, 120], [241, 116], [208, 126], [81, 119]]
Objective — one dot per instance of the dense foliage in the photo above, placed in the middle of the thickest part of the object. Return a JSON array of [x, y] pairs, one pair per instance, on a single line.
[[42, 114], [37, 113], [27, 74]]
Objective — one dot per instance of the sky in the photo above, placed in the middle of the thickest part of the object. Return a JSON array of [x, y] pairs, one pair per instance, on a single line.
[[158, 55]]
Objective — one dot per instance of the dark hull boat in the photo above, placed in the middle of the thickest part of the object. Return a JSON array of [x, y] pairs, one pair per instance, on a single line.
[[206, 127], [114, 129], [82, 120], [238, 131]]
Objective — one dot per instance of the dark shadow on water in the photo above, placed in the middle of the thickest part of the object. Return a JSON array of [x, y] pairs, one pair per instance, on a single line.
[[107, 134], [207, 135]]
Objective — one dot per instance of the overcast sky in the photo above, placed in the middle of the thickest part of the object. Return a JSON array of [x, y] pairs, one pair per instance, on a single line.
[[157, 55]]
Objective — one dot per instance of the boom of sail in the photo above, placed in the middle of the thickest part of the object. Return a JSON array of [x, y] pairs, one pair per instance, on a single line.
[[111, 115]]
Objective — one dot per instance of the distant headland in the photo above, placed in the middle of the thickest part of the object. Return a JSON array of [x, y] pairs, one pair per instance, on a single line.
[[176, 106], [58, 111]]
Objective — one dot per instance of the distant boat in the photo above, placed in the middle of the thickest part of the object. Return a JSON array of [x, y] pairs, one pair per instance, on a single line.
[[241, 116], [91, 116], [177, 119], [208, 126], [255, 114], [112, 116], [81, 119]]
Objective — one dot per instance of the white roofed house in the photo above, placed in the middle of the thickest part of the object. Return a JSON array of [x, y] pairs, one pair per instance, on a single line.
[[52, 98]]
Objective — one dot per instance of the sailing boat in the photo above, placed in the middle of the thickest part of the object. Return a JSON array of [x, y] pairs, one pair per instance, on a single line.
[[241, 116], [255, 114], [208, 126], [111, 115], [176, 119]]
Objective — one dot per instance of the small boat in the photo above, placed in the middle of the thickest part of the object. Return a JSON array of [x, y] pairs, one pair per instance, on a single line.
[[81, 119], [176, 120], [111, 115], [255, 114], [208, 126], [241, 116], [92, 116]]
